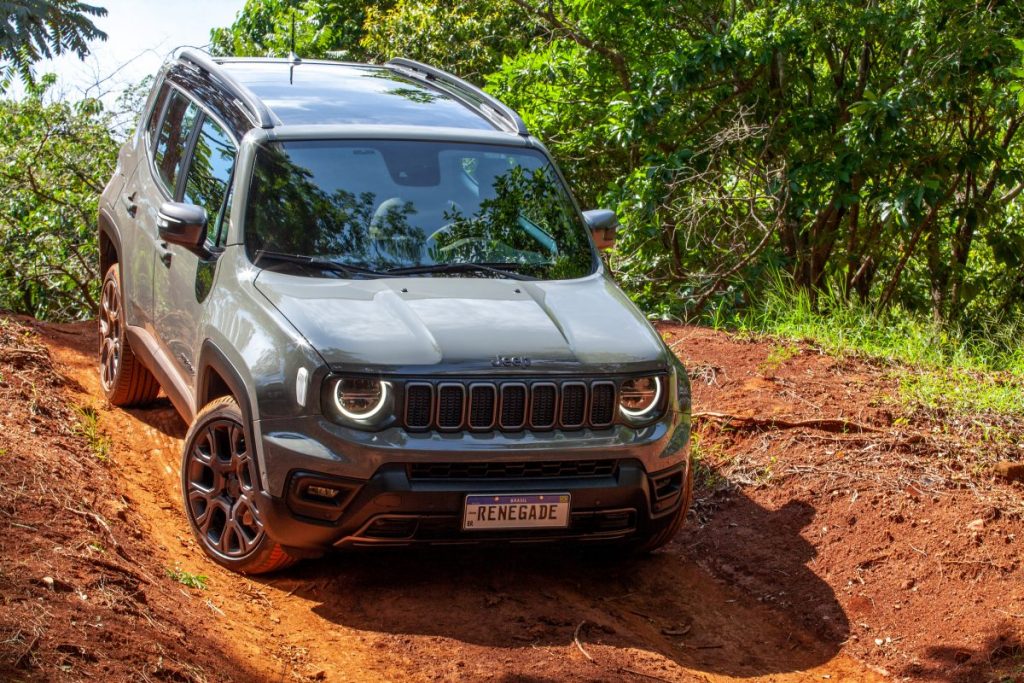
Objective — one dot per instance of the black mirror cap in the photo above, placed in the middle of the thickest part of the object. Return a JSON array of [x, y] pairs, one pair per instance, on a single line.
[[183, 224], [602, 224]]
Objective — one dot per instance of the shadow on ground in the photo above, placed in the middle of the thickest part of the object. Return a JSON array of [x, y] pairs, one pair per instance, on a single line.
[[523, 597]]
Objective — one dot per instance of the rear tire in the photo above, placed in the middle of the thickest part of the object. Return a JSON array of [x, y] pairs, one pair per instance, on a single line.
[[126, 382], [219, 484], [662, 536]]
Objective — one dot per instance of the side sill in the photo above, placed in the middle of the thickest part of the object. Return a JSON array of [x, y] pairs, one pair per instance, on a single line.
[[154, 358]]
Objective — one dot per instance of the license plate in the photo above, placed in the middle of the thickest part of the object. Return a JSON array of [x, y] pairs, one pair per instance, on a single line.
[[516, 511]]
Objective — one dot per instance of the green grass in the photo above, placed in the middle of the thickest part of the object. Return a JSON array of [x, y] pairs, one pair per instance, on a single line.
[[89, 429], [188, 579], [939, 367]]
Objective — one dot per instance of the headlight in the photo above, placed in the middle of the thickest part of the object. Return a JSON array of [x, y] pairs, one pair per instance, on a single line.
[[364, 402], [640, 398]]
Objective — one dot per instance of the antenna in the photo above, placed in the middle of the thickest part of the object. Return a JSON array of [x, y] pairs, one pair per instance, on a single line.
[[291, 54], [292, 57]]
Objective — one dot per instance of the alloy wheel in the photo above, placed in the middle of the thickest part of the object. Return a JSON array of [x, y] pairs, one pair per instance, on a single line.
[[110, 333], [220, 489]]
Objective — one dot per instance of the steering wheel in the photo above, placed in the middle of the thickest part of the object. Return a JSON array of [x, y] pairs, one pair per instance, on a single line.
[[454, 208], [381, 213]]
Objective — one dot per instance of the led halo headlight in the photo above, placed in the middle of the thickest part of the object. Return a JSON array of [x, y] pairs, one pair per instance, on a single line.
[[640, 398], [361, 399]]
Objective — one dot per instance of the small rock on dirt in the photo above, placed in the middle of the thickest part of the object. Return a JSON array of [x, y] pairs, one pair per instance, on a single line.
[[56, 585]]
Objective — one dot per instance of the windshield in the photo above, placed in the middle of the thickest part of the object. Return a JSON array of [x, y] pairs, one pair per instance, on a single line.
[[385, 205]]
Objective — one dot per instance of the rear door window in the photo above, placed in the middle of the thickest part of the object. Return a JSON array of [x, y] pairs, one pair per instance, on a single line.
[[179, 121], [209, 174]]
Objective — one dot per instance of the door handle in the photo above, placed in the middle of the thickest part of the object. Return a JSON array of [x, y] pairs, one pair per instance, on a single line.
[[129, 204], [165, 254]]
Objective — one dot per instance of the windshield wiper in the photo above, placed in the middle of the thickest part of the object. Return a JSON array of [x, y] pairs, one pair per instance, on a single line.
[[503, 269], [323, 264]]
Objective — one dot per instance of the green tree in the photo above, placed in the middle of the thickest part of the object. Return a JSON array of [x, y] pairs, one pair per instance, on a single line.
[[323, 29], [40, 29], [872, 148], [54, 161]]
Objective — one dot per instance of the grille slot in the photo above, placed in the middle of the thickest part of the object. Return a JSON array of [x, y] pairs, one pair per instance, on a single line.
[[450, 403], [419, 400], [513, 406], [512, 470], [483, 402], [602, 404], [574, 405], [542, 414]]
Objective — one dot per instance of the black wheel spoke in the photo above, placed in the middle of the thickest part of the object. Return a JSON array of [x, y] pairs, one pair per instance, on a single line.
[[219, 477]]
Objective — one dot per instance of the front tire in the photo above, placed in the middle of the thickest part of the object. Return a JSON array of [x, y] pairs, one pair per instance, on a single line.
[[126, 382], [219, 484]]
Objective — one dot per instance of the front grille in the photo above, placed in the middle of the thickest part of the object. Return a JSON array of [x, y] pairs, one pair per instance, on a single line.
[[574, 404], [483, 399], [512, 470], [419, 400], [510, 405], [542, 412], [513, 406], [450, 400], [602, 403]]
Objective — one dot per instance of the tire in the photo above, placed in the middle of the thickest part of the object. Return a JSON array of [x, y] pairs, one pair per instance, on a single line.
[[125, 381], [219, 483], [664, 534]]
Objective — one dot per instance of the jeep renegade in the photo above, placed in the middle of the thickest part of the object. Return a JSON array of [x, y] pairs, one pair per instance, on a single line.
[[371, 295]]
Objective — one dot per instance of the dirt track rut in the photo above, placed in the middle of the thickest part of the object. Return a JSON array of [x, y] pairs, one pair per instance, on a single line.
[[469, 614]]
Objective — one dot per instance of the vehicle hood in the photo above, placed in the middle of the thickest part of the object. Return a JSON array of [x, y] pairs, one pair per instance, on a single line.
[[402, 323]]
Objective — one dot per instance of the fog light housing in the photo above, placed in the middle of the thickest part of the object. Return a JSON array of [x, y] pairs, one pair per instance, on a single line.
[[324, 492], [319, 496]]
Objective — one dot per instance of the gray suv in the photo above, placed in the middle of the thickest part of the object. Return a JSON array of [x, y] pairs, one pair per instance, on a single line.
[[370, 293]]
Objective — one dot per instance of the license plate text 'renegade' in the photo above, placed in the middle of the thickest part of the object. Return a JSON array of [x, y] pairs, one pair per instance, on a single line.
[[516, 511]]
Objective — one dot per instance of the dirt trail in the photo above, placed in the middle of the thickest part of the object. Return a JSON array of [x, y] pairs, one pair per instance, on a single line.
[[539, 615]]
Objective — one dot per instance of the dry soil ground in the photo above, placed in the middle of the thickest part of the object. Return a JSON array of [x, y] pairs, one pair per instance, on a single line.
[[837, 535]]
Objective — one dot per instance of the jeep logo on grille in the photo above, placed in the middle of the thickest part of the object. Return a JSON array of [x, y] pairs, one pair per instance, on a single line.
[[511, 362]]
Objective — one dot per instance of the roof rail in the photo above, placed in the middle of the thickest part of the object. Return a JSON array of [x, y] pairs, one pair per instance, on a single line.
[[256, 109], [466, 92]]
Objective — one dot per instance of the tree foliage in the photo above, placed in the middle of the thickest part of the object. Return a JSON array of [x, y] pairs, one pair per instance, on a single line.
[[54, 161], [871, 147], [323, 29], [40, 29]]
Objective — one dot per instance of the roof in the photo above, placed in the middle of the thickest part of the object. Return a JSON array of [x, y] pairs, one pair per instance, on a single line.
[[313, 92]]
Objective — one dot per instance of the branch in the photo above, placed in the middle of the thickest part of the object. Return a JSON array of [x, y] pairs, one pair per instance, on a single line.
[[831, 424]]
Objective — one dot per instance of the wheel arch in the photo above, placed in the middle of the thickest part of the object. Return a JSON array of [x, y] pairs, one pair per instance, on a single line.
[[109, 243], [217, 376]]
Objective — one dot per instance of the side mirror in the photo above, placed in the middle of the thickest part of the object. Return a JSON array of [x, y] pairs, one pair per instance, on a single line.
[[184, 224], [602, 224]]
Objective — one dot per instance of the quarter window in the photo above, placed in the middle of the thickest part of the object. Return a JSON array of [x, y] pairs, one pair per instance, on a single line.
[[179, 122], [209, 175], [154, 116]]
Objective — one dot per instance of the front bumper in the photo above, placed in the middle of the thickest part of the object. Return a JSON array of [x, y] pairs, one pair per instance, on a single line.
[[396, 508], [315, 444]]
